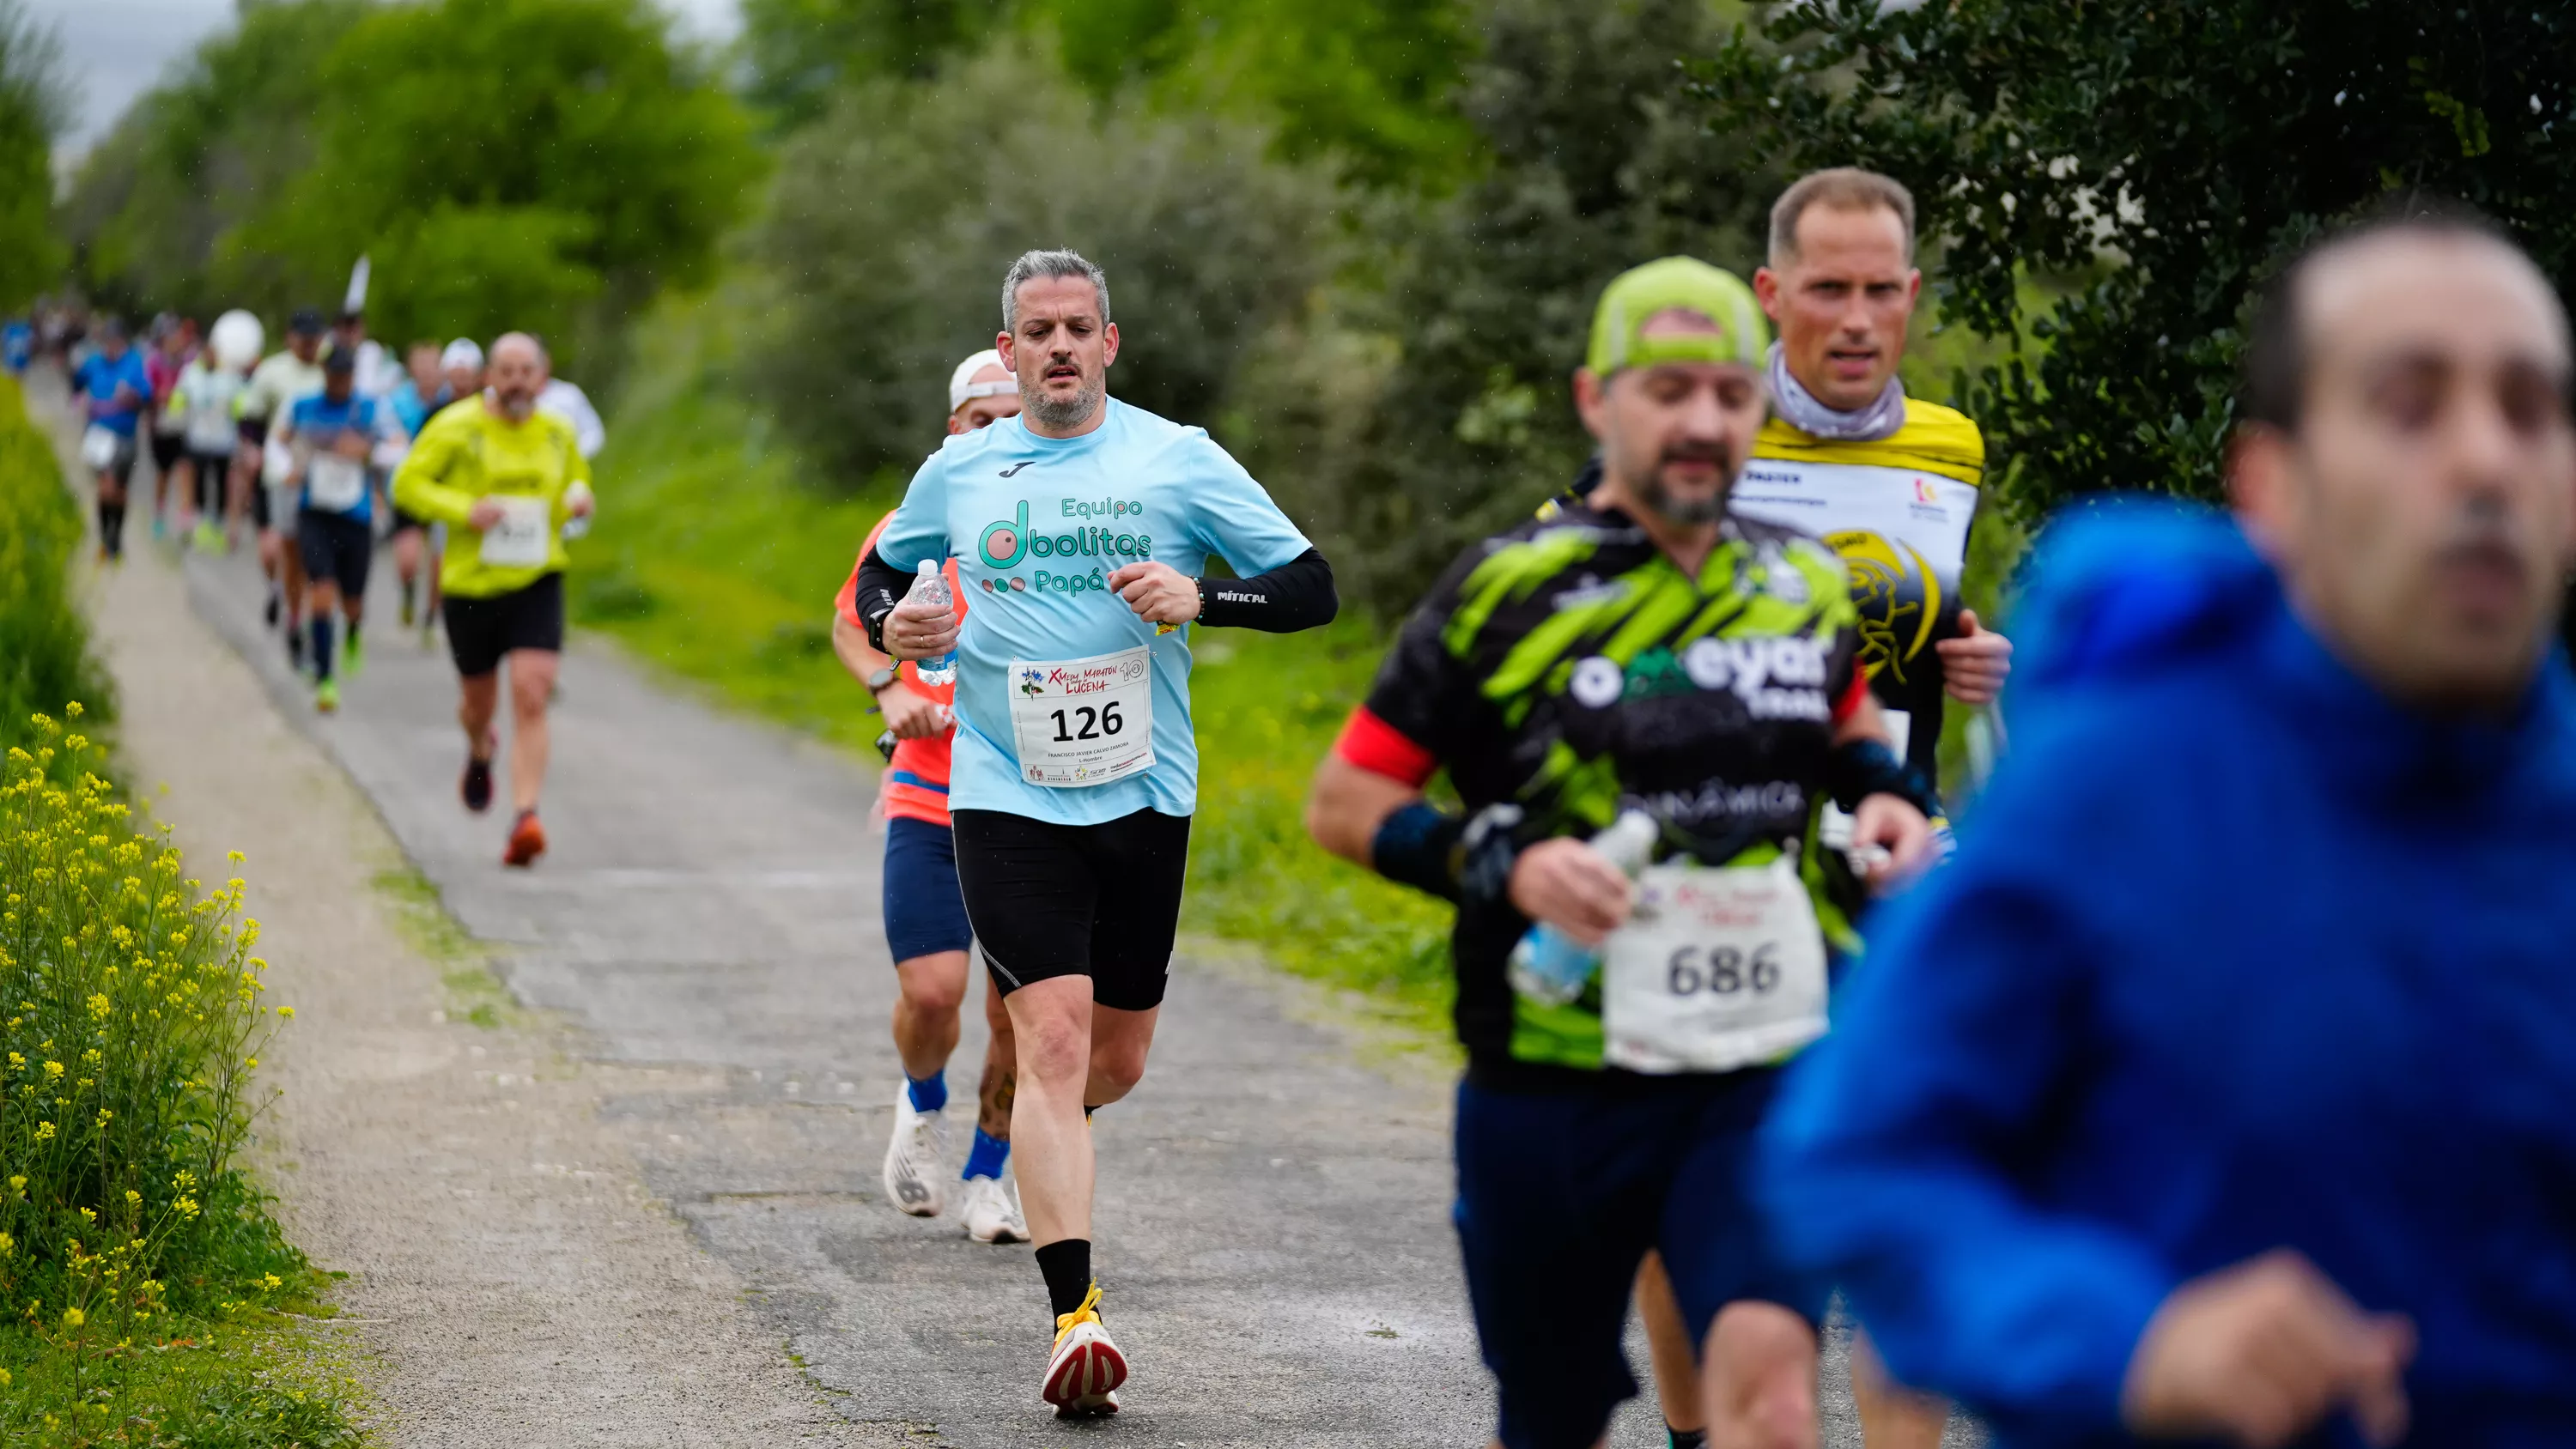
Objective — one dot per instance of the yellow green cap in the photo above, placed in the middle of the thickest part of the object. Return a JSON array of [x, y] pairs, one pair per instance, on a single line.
[[1687, 284]]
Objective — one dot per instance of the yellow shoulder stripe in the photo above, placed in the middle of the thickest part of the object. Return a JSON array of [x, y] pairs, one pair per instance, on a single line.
[[1934, 439]]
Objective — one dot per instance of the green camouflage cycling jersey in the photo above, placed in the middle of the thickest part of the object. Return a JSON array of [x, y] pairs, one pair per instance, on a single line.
[[1567, 669]]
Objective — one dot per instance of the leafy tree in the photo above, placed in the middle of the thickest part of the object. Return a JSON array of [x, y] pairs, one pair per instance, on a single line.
[[893, 220], [564, 135], [199, 155], [2167, 155], [527, 163], [1430, 404], [32, 109], [797, 51], [1367, 82]]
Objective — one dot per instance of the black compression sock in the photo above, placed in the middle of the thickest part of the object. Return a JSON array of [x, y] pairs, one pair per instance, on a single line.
[[1685, 1438], [111, 527], [321, 644], [1067, 1266]]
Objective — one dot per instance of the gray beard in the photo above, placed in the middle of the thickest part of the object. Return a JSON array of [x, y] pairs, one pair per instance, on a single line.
[[1065, 414], [1660, 501]]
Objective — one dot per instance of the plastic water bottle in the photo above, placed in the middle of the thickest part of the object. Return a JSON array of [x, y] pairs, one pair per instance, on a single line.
[[931, 587], [1549, 966]]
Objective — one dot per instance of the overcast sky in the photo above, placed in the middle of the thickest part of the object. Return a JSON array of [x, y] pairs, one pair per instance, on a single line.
[[114, 50]]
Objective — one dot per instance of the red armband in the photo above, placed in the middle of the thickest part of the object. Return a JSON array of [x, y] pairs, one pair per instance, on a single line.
[[1382, 749], [1849, 704]]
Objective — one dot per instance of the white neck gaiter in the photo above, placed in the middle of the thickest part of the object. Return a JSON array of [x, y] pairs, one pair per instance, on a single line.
[[1799, 409]]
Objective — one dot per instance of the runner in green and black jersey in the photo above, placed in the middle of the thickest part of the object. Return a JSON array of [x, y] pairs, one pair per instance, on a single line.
[[1642, 703]]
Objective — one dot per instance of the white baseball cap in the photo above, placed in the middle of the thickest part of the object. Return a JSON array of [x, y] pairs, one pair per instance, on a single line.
[[461, 353], [963, 388]]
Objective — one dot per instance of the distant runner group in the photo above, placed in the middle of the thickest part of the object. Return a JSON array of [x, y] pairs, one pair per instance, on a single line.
[[326, 448]]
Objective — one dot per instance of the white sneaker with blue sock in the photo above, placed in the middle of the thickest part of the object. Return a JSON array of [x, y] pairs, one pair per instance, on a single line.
[[913, 1178], [992, 1212]]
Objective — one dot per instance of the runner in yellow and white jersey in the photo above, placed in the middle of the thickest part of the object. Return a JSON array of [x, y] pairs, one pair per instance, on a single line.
[[1892, 482]]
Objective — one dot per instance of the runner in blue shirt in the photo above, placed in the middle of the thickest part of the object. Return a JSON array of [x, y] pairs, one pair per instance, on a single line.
[[336, 435], [117, 388], [1079, 528], [17, 344]]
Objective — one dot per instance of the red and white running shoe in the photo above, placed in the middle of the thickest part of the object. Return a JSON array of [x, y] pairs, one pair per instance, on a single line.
[[1084, 1372]]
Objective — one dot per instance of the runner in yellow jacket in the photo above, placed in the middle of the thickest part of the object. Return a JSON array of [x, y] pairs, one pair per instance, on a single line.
[[505, 479]]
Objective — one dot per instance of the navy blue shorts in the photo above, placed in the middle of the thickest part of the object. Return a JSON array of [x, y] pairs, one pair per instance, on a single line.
[[1560, 1194], [924, 913]]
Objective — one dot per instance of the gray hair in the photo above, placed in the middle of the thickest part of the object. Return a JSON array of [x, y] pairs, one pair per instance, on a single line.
[[1038, 263]]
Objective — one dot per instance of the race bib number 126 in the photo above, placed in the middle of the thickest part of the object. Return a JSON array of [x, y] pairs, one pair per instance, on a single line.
[[1084, 722]]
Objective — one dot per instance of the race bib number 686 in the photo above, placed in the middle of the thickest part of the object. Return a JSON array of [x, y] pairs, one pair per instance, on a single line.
[[1719, 968]]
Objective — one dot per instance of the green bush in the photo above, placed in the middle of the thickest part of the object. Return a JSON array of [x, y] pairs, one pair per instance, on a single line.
[[44, 641]]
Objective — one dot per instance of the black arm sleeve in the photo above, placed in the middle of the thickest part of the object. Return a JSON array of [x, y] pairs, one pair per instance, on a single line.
[[881, 586], [1296, 595]]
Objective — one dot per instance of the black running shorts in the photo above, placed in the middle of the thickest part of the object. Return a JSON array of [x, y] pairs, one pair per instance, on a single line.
[[167, 450], [337, 549], [1048, 900], [481, 631]]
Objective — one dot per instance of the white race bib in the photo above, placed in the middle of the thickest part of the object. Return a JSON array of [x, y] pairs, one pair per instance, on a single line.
[[334, 484], [98, 447], [1719, 968], [1084, 721], [519, 540]]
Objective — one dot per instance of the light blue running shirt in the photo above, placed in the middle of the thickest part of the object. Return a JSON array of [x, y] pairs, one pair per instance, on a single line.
[[1037, 525]]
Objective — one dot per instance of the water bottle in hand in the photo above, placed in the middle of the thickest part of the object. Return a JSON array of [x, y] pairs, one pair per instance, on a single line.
[[1550, 967], [931, 587]]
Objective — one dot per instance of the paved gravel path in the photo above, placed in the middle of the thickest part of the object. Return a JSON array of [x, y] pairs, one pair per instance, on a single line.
[[1272, 1222]]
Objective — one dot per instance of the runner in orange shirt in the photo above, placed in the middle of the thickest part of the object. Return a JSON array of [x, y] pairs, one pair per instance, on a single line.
[[925, 916]]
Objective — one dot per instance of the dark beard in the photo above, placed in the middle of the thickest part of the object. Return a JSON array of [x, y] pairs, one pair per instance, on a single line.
[[1659, 500], [1068, 414]]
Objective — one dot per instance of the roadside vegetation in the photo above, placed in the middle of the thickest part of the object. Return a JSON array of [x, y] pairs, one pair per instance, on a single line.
[[146, 1295]]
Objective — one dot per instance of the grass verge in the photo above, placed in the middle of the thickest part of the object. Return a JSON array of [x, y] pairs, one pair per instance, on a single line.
[[474, 993]]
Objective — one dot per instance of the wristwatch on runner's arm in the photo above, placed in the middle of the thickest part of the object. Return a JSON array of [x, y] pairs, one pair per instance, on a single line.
[[877, 681]]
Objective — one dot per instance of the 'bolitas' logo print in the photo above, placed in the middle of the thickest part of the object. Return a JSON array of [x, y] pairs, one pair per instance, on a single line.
[[1007, 542]]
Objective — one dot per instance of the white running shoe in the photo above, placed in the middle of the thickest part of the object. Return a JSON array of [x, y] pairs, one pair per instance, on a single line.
[[912, 1170], [1084, 1372], [993, 1212]]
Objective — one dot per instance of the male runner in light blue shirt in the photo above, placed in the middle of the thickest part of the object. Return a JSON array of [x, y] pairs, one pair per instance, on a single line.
[[1080, 529]]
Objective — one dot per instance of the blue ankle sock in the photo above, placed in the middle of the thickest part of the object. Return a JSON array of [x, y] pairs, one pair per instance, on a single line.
[[929, 1093], [986, 1157]]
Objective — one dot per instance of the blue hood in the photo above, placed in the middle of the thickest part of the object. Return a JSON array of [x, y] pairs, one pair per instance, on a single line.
[[2135, 582]]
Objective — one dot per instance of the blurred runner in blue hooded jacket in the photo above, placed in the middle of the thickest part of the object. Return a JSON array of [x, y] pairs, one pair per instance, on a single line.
[[2225, 1086]]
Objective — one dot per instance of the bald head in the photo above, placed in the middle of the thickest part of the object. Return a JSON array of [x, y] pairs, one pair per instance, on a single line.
[[2408, 460], [516, 369]]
